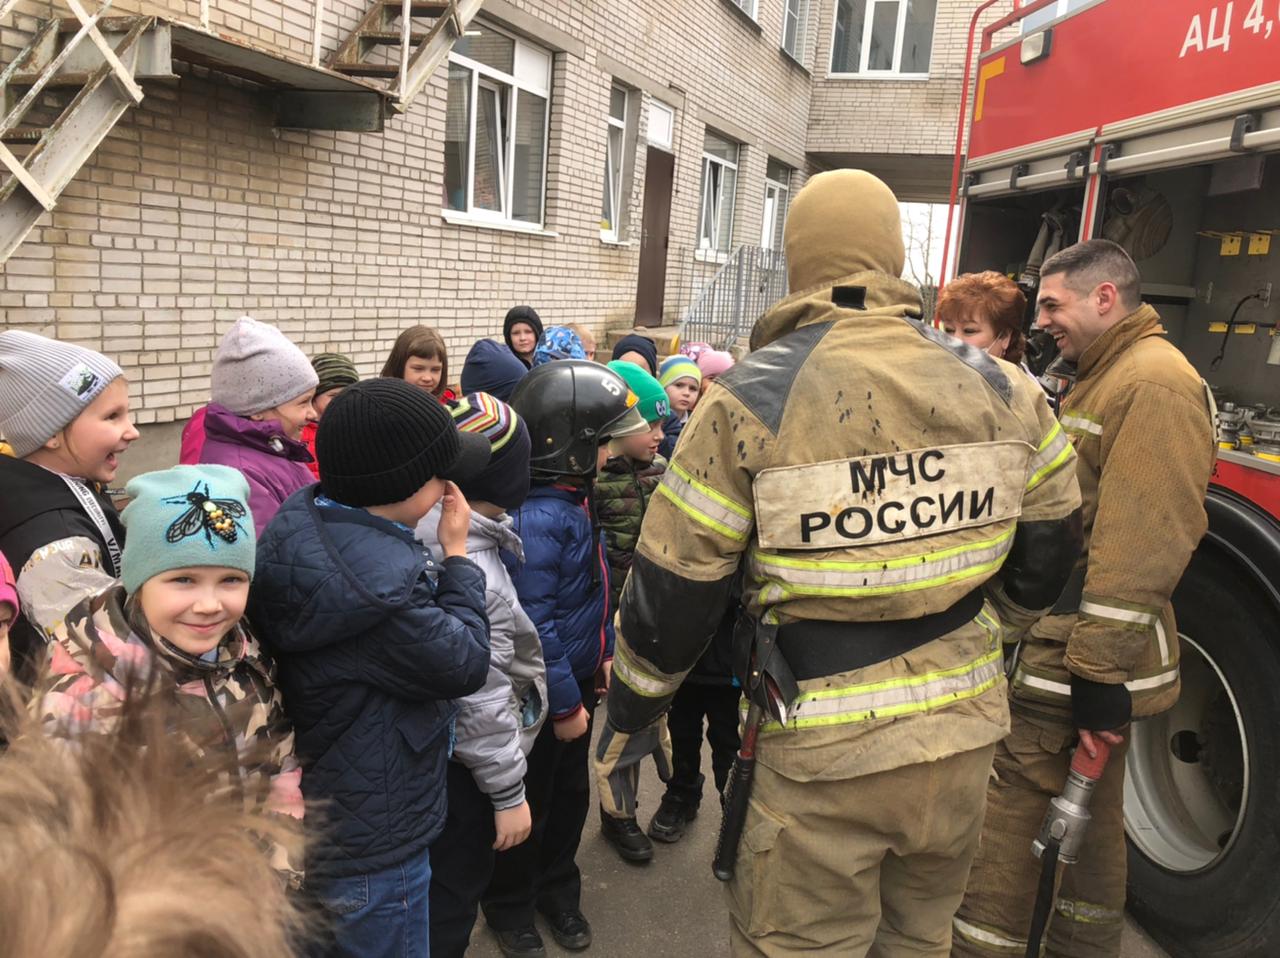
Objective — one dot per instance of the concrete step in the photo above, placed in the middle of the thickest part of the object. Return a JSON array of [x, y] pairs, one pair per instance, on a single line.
[[665, 337]]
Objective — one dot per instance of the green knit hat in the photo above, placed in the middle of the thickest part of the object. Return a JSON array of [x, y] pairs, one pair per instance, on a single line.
[[652, 398], [187, 516], [335, 371], [678, 367]]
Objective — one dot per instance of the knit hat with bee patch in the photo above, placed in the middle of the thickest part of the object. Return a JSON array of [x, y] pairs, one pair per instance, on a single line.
[[185, 517]]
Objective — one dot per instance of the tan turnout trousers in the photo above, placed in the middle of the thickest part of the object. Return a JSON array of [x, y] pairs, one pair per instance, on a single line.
[[1088, 912], [873, 865]]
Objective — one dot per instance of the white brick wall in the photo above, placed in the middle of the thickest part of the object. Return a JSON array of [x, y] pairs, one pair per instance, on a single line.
[[194, 210]]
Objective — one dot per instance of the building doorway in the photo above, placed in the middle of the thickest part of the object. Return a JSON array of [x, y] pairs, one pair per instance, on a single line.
[[660, 168]]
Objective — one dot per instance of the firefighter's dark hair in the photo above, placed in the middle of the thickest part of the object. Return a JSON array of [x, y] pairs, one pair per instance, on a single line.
[[991, 296], [1088, 265]]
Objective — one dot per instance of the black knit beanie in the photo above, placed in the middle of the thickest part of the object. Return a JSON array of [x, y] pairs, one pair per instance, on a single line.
[[638, 344], [381, 440], [521, 314]]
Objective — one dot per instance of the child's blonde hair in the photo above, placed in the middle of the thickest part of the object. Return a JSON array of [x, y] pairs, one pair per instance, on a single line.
[[127, 845]]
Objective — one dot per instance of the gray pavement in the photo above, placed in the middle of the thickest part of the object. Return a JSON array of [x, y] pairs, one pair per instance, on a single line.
[[672, 907]]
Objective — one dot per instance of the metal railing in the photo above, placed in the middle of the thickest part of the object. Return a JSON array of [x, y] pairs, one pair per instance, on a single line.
[[725, 307]]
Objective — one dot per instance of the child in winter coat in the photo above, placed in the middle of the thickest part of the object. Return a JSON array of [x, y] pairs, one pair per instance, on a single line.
[[522, 331], [374, 638], [420, 358], [622, 493], [174, 626], [336, 372], [572, 409], [497, 725], [65, 413], [682, 379], [9, 609], [262, 387]]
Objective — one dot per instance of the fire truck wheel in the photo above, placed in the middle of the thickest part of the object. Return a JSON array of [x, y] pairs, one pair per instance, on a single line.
[[1202, 794]]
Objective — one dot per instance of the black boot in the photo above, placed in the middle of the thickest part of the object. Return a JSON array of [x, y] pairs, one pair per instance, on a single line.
[[669, 823], [625, 836], [521, 943], [570, 929]]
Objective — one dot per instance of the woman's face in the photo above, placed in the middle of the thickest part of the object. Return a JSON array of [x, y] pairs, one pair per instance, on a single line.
[[979, 333], [423, 373], [291, 416], [523, 339]]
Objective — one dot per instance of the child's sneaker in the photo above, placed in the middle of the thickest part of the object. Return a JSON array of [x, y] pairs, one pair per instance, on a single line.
[[669, 823]]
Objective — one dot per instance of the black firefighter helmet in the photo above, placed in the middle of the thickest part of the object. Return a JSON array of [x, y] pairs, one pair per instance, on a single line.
[[571, 407]]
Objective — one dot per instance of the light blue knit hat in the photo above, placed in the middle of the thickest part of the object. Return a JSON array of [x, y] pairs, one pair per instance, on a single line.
[[183, 517]]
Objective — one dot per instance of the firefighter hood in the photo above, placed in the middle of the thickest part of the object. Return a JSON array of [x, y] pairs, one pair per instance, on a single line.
[[844, 250]]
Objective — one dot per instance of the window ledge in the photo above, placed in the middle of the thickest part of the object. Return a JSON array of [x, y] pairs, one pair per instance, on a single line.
[[795, 62], [608, 239], [746, 17], [459, 218], [711, 256], [882, 77]]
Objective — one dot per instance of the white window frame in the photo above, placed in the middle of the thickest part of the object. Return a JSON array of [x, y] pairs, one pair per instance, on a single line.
[[1048, 14], [487, 77], [782, 196], [865, 49], [616, 178], [797, 10], [713, 249], [657, 106], [749, 7]]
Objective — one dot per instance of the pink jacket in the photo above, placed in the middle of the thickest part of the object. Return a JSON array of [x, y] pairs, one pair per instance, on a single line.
[[8, 586]]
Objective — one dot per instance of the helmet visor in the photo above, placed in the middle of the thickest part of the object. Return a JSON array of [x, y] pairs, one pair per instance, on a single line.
[[630, 423]]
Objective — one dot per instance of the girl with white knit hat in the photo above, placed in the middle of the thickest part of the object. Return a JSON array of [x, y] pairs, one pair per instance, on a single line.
[[64, 413], [262, 387]]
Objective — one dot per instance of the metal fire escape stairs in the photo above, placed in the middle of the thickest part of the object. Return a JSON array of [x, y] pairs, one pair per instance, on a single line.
[[43, 144], [395, 43]]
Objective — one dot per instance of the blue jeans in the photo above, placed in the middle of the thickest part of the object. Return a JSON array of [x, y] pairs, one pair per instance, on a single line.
[[379, 915]]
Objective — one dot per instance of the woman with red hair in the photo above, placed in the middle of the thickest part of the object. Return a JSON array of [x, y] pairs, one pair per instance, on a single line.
[[985, 310]]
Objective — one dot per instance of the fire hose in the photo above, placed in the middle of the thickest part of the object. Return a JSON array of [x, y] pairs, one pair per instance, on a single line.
[[1062, 833]]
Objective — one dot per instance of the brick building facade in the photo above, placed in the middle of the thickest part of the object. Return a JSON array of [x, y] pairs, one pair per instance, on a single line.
[[196, 208]]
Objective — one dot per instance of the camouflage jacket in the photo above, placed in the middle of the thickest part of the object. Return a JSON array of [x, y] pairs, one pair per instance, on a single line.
[[230, 710], [622, 493]]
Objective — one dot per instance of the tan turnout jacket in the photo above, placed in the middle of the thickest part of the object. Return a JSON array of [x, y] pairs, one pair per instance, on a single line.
[[1139, 418], [860, 467]]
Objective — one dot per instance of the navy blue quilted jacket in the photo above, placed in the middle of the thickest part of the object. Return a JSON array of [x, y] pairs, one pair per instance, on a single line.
[[563, 585], [371, 652]]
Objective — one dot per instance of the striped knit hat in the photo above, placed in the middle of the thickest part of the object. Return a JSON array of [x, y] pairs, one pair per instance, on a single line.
[[335, 371], [44, 385], [678, 367], [505, 480]]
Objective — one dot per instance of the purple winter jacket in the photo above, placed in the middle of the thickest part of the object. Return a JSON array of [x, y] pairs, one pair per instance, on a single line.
[[274, 465]]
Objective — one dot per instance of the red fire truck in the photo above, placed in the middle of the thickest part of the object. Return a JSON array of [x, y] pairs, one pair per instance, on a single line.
[[1157, 124]]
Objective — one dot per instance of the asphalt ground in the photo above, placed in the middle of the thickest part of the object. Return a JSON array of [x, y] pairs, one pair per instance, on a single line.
[[673, 907]]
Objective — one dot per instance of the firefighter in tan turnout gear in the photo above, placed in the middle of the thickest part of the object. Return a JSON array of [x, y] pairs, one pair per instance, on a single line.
[[899, 502], [1139, 418]]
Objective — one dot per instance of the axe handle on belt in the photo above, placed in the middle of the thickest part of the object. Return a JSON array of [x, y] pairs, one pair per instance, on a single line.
[[736, 793]]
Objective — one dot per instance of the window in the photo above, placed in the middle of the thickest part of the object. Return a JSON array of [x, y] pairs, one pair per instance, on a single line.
[[795, 23], [882, 37], [746, 6], [1050, 12], [719, 179], [496, 127], [777, 195], [614, 165], [662, 123]]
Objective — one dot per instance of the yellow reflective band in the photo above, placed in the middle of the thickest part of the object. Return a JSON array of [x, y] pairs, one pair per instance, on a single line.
[[643, 683], [783, 577], [1075, 421], [1087, 912], [988, 939], [706, 506], [894, 697], [1053, 453]]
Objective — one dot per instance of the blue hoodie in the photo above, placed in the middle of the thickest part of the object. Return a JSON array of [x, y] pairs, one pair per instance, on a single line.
[[492, 368]]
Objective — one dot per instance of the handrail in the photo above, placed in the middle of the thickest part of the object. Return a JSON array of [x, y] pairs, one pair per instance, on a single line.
[[750, 281]]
